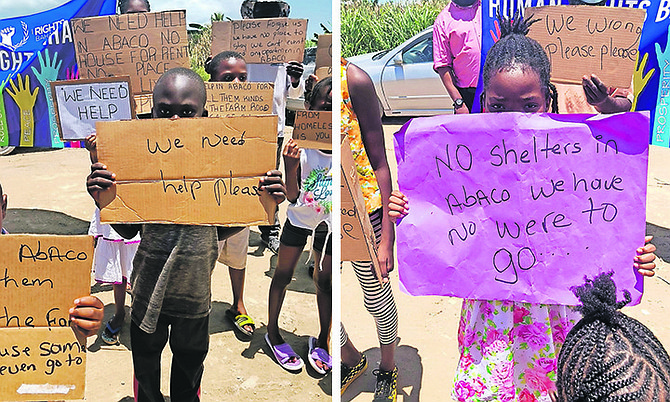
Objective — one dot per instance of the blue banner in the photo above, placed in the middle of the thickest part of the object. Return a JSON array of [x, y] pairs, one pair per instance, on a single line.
[[34, 50], [651, 81]]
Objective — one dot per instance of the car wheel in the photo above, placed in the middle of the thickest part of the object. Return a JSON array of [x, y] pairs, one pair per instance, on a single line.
[[6, 150]]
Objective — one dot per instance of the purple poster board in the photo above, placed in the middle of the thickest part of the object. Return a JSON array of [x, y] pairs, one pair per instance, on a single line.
[[513, 206]]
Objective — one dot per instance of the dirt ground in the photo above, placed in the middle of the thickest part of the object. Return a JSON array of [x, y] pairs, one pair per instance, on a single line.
[[427, 352], [47, 194]]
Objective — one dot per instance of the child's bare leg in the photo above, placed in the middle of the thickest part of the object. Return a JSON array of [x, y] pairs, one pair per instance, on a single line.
[[286, 261], [350, 355], [119, 303], [237, 283], [323, 280]]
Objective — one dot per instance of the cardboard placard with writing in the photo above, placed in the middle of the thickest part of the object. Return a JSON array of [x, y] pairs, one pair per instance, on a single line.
[[41, 364], [142, 45], [313, 129], [357, 235], [40, 356], [324, 56], [40, 276], [263, 40], [581, 40], [143, 103], [78, 104], [239, 98], [189, 171]]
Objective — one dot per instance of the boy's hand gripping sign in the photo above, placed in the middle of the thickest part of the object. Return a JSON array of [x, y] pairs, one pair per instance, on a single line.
[[521, 207]]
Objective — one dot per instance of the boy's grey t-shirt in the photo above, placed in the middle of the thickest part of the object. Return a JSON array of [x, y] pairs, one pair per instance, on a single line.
[[172, 273]]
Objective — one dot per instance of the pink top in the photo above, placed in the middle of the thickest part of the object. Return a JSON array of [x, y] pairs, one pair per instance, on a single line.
[[457, 42]]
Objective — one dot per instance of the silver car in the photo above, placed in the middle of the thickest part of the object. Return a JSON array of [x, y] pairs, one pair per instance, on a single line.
[[404, 78]]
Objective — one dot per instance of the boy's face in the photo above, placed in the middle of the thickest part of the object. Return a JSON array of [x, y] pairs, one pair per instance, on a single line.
[[136, 6], [177, 96], [231, 70]]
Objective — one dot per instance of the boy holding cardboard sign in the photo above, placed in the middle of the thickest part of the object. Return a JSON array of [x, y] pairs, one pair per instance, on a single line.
[[172, 268]]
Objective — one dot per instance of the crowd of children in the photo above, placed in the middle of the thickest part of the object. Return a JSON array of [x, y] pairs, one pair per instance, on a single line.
[[589, 352]]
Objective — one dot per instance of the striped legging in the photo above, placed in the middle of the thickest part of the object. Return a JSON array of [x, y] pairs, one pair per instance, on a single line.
[[378, 298]]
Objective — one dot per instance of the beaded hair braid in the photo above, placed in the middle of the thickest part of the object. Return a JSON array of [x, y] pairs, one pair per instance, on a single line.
[[123, 6], [324, 83], [609, 356], [515, 50], [212, 64]]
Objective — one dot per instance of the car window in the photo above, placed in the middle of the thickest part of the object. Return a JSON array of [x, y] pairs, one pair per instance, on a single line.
[[420, 52]]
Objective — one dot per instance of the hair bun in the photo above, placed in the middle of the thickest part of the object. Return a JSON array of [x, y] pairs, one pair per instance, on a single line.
[[517, 25], [598, 298]]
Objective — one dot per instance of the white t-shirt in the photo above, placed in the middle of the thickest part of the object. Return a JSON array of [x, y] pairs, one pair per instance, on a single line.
[[314, 204]]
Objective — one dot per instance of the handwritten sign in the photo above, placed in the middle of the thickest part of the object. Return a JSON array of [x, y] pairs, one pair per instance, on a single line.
[[263, 40], [39, 364], [239, 98], [357, 235], [40, 277], [324, 56], [534, 201], [189, 171], [581, 40], [143, 103], [312, 129], [142, 45], [81, 103]]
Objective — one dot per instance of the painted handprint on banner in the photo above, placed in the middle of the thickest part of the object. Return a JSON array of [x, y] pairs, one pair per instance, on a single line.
[[6, 36], [49, 72], [25, 100], [640, 79], [4, 130]]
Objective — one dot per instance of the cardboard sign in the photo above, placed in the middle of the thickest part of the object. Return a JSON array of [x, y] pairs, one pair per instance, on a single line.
[[357, 235], [142, 45], [143, 103], [534, 201], [189, 171], [263, 40], [81, 103], [313, 129], [40, 276], [40, 364], [239, 98], [324, 56], [581, 40]]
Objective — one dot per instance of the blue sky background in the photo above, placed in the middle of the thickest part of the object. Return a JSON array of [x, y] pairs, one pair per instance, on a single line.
[[316, 11]]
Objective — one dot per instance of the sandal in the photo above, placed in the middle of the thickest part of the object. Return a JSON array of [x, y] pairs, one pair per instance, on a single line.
[[240, 320], [111, 335], [319, 354], [283, 354]]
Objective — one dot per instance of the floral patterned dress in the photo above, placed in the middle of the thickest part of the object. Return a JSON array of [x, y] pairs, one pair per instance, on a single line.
[[509, 350]]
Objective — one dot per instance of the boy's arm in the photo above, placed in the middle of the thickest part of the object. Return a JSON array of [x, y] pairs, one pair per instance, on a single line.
[[86, 315], [362, 94], [445, 74], [100, 184], [272, 183], [598, 95]]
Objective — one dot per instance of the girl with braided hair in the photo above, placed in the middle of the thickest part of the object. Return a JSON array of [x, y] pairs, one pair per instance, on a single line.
[[609, 356], [508, 349]]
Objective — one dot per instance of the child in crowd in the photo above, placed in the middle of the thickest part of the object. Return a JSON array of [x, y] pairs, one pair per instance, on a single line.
[[309, 189], [361, 122], [113, 260], [171, 280], [516, 78], [609, 356], [87, 313], [231, 67]]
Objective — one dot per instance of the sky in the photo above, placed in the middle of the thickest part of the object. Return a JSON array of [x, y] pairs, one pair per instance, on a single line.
[[198, 11]]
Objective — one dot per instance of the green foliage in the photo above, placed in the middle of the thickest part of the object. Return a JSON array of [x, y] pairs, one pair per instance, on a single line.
[[368, 26], [199, 49]]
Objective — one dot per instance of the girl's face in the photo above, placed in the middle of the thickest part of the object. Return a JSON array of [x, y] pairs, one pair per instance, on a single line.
[[231, 70], [323, 101], [515, 91]]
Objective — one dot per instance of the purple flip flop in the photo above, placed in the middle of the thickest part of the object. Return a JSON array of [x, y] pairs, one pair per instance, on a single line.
[[283, 353], [320, 354]]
